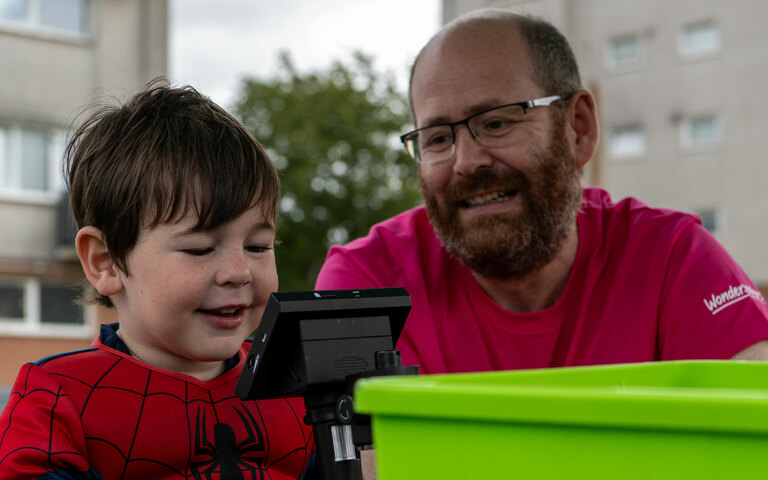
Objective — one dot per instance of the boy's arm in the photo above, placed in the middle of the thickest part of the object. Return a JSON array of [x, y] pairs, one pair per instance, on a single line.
[[70, 475], [40, 431]]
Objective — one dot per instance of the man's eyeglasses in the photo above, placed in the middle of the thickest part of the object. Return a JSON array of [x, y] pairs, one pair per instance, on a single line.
[[491, 128]]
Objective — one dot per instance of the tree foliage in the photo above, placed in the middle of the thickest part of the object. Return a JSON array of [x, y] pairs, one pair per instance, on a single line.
[[333, 136]]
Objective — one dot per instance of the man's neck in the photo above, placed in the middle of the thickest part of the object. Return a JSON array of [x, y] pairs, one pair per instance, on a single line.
[[538, 290]]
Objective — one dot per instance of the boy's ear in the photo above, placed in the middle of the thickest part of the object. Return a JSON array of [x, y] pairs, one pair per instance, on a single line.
[[99, 268]]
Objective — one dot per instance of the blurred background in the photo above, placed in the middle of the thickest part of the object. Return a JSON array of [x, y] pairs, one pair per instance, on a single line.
[[680, 86]]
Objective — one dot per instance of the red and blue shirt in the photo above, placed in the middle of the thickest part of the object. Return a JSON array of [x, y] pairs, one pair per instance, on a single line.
[[99, 413]]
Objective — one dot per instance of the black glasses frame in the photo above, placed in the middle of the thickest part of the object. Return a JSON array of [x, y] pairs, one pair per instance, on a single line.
[[536, 102]]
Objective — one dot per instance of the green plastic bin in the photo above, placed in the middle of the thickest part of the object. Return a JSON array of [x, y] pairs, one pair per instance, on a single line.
[[661, 420]]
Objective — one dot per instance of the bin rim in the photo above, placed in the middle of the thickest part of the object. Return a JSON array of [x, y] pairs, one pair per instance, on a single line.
[[609, 396]]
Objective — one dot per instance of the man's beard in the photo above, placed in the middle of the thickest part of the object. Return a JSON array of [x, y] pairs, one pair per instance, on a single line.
[[512, 245]]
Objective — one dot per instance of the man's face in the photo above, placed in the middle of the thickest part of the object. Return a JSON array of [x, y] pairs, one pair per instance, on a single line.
[[509, 242], [503, 212]]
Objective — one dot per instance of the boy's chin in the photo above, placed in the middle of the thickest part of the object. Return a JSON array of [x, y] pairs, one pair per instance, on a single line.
[[222, 354]]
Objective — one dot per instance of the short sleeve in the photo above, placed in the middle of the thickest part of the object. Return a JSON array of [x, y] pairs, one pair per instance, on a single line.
[[710, 308], [40, 430]]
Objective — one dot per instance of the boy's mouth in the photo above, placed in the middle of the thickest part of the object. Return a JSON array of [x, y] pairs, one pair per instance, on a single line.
[[223, 312]]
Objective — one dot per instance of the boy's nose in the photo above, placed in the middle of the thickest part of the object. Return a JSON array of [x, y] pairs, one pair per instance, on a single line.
[[234, 270]]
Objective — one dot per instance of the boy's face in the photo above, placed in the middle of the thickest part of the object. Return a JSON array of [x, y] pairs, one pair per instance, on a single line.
[[193, 297]]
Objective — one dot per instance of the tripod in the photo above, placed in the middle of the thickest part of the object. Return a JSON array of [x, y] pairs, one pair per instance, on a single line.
[[340, 433]]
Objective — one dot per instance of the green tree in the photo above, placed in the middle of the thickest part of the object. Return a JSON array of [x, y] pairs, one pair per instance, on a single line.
[[333, 136]]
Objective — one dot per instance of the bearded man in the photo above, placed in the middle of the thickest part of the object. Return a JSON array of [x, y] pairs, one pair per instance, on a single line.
[[510, 263]]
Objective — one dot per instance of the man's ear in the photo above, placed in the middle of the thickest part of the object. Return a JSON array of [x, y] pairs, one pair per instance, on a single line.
[[99, 268], [583, 124]]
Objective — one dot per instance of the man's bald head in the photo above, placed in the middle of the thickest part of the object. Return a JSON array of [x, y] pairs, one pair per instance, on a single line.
[[552, 62]]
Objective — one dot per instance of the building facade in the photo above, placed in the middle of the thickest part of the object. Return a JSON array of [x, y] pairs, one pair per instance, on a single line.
[[57, 56], [680, 86]]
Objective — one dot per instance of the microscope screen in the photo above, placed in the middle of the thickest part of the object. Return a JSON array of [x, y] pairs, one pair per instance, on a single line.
[[314, 338]]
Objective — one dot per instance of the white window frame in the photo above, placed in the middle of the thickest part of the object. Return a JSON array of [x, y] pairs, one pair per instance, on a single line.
[[32, 324], [32, 23], [687, 140], [689, 51], [11, 164], [614, 63], [618, 154]]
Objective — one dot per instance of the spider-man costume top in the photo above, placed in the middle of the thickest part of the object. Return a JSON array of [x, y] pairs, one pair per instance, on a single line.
[[99, 413]]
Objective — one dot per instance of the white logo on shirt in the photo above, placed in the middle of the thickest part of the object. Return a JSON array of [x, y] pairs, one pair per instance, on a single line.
[[734, 294]]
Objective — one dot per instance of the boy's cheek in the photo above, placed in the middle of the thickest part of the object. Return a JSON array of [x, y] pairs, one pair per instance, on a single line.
[[272, 275]]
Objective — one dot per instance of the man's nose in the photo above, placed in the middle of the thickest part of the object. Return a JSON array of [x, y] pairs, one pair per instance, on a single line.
[[469, 153]]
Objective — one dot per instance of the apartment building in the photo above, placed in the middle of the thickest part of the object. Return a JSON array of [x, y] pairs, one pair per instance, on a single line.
[[680, 86], [57, 56]]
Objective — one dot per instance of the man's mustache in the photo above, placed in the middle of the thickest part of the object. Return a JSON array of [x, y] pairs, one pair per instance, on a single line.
[[486, 180]]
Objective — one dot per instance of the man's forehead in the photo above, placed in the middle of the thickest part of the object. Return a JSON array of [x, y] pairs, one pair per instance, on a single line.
[[444, 90], [447, 108], [469, 67]]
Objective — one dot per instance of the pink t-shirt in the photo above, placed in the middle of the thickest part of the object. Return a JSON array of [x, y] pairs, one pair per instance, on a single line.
[[647, 284]]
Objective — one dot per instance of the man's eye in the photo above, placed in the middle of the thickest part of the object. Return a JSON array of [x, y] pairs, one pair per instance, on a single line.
[[437, 141], [198, 252], [497, 125]]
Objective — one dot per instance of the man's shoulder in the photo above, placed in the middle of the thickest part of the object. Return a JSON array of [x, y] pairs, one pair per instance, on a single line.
[[395, 252], [632, 213], [411, 226]]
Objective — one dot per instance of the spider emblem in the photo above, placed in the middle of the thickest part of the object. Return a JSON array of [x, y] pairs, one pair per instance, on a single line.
[[227, 457]]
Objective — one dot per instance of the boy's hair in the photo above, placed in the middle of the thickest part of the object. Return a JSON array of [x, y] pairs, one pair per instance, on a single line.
[[165, 153]]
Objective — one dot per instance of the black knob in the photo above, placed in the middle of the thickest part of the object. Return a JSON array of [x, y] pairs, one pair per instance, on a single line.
[[388, 358], [345, 409]]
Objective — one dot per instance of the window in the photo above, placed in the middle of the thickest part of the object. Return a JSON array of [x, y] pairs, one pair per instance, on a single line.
[[14, 10], [624, 50], [4, 161], [59, 16], [29, 159], [11, 301], [33, 156], [712, 219], [627, 141], [700, 38], [58, 305], [700, 131], [30, 306]]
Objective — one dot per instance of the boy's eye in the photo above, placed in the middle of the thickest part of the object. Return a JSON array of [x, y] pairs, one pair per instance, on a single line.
[[198, 252], [258, 248]]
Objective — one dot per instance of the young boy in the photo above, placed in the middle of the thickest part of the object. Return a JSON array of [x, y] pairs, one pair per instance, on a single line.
[[176, 205]]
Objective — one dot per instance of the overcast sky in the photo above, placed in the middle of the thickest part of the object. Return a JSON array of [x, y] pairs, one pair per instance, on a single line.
[[214, 44]]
